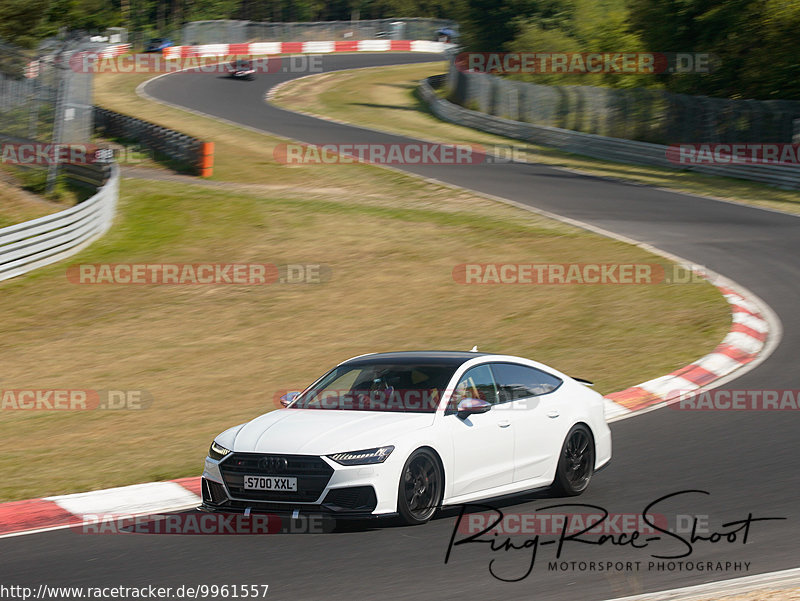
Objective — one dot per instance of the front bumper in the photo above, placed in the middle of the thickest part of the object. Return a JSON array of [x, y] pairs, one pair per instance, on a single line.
[[323, 487]]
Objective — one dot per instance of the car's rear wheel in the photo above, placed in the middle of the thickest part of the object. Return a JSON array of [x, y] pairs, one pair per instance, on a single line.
[[421, 487], [576, 463]]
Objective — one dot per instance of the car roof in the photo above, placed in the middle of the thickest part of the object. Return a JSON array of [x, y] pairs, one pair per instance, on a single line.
[[453, 358]]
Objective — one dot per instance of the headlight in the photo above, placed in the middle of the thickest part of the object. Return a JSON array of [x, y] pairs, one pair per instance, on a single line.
[[216, 451], [364, 457]]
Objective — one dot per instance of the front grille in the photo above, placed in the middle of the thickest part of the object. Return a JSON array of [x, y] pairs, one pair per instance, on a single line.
[[312, 475], [360, 498]]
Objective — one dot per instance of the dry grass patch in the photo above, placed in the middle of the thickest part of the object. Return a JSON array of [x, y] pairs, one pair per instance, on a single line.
[[17, 205]]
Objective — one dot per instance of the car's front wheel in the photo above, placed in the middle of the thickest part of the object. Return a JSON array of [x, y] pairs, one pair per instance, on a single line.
[[421, 487], [576, 463]]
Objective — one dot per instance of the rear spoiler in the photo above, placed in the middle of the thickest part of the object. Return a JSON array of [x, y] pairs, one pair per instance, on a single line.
[[582, 381]]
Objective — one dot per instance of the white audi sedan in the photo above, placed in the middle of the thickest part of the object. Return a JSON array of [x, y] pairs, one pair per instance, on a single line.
[[403, 434]]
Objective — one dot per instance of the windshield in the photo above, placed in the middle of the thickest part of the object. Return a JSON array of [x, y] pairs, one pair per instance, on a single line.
[[409, 388]]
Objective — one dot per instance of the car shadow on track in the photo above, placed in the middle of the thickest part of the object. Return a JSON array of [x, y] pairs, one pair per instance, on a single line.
[[197, 522], [445, 513]]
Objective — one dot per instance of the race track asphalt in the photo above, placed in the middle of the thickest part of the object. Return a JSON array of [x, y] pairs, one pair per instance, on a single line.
[[747, 461]]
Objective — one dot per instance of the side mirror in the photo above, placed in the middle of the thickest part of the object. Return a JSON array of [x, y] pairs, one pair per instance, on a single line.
[[467, 407], [288, 398]]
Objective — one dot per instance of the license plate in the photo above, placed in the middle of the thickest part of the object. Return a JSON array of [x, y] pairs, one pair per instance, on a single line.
[[270, 483]]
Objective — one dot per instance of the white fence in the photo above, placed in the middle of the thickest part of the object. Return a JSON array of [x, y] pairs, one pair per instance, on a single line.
[[26, 246]]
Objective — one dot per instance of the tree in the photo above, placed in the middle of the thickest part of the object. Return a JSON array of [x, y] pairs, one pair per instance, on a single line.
[[21, 21]]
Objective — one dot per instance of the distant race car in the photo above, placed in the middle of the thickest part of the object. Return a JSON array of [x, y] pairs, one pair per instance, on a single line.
[[242, 69], [405, 433], [157, 44]]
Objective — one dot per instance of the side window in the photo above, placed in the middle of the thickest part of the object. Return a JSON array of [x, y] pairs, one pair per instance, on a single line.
[[516, 382], [476, 383]]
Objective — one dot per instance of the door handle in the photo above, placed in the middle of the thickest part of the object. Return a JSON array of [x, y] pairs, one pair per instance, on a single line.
[[553, 414], [504, 424]]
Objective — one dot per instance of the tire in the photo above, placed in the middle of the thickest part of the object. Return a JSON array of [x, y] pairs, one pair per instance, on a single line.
[[421, 488], [575, 463]]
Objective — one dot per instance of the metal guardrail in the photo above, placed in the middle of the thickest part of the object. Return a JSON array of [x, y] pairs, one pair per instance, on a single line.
[[593, 145], [643, 114], [26, 246], [190, 151]]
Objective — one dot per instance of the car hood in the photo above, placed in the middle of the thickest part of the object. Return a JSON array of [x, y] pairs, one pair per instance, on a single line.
[[321, 432]]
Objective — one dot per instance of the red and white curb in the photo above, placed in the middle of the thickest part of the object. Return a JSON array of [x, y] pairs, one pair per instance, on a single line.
[[115, 50], [747, 338], [260, 48], [63, 511]]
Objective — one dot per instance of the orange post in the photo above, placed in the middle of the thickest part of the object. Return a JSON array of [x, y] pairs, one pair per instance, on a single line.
[[207, 159]]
